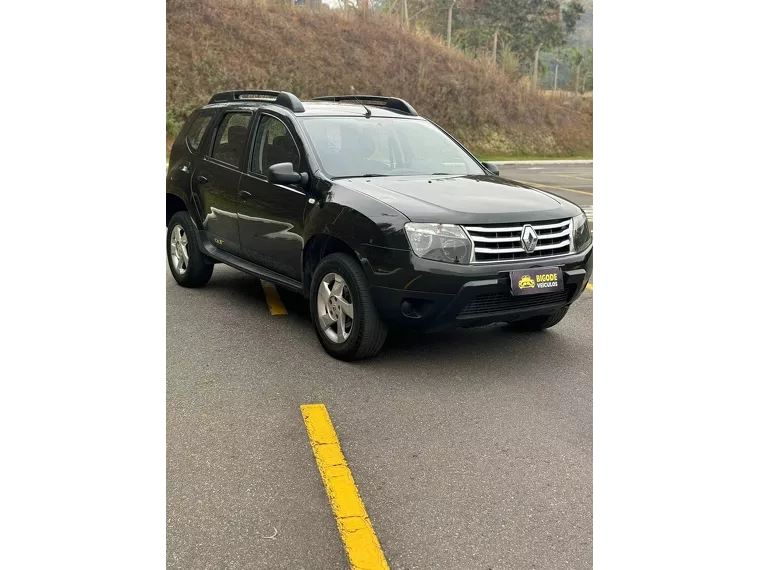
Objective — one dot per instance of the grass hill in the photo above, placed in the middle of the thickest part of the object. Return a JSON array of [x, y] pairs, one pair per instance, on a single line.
[[217, 45]]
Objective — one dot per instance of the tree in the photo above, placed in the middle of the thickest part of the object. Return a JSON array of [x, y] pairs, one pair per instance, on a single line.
[[495, 44], [588, 58], [536, 67], [450, 19], [528, 25], [559, 57], [571, 12], [578, 58]]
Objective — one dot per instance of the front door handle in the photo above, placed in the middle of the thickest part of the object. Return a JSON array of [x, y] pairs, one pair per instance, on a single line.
[[245, 194], [202, 179]]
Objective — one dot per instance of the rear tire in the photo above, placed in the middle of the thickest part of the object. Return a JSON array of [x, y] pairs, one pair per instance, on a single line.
[[539, 323], [342, 310], [189, 266]]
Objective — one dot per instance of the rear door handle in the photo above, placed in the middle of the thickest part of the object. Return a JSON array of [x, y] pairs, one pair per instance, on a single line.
[[245, 194], [202, 179]]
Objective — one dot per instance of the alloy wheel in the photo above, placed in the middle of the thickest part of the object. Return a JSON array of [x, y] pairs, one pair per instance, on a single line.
[[180, 258], [334, 307]]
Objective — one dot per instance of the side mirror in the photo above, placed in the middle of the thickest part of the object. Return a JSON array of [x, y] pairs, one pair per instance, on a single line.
[[283, 173], [491, 167]]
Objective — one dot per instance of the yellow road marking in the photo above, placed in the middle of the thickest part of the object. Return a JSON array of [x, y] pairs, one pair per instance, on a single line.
[[590, 286], [555, 187], [573, 177], [272, 298], [361, 544]]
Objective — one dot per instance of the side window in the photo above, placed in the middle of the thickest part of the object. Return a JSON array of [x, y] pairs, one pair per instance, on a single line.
[[231, 138], [197, 130], [273, 145]]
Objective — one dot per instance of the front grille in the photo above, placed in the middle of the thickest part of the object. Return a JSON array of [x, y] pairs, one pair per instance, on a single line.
[[494, 242], [489, 303]]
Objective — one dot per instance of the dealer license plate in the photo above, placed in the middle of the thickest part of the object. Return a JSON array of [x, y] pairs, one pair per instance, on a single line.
[[540, 280]]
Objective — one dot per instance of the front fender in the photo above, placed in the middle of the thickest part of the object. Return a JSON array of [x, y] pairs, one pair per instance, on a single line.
[[356, 219]]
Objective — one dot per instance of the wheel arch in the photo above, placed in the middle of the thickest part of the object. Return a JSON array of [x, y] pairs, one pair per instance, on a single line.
[[319, 246], [174, 204], [349, 222]]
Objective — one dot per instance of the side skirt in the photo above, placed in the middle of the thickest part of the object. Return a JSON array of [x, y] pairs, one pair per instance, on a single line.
[[248, 267]]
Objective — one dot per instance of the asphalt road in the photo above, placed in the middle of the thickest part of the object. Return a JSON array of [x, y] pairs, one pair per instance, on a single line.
[[471, 449], [571, 181]]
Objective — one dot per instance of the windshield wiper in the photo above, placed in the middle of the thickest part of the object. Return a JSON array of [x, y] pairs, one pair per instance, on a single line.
[[360, 176]]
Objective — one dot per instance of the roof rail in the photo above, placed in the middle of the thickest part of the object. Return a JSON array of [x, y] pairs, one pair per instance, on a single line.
[[283, 98], [389, 102]]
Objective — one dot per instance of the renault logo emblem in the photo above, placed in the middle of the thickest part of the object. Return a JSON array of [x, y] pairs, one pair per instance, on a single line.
[[529, 239]]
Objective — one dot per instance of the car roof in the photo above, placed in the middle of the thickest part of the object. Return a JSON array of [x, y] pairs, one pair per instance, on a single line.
[[315, 109]]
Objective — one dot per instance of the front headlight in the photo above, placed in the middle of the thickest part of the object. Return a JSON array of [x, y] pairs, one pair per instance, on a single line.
[[441, 242], [581, 232]]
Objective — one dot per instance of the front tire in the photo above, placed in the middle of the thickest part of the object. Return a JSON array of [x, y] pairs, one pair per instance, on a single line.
[[188, 265], [539, 323], [342, 310]]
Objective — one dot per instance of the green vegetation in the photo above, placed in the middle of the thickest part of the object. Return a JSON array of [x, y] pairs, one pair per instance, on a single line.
[[499, 158], [218, 45]]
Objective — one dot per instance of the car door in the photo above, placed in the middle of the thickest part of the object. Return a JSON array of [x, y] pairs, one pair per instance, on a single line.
[[186, 154], [271, 215], [217, 178]]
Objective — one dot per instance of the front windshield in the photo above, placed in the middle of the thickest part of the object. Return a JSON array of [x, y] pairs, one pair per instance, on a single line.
[[380, 146]]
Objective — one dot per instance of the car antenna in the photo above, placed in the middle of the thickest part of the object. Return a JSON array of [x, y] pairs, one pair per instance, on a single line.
[[368, 112]]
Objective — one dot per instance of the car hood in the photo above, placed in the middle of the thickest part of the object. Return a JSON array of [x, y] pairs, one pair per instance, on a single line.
[[463, 199]]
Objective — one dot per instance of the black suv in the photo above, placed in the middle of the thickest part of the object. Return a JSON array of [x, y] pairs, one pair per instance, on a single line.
[[375, 214]]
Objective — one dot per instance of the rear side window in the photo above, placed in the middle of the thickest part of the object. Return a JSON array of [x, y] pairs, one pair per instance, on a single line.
[[197, 130], [231, 138]]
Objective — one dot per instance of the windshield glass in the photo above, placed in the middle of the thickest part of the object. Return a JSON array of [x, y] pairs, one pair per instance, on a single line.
[[360, 146]]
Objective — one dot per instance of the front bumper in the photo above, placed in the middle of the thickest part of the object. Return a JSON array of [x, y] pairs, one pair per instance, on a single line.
[[415, 293]]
